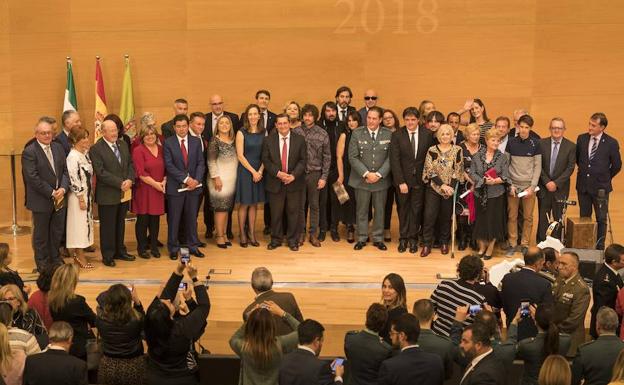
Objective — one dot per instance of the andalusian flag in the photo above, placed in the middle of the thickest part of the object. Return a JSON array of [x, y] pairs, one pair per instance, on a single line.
[[70, 102], [100, 99], [126, 112]]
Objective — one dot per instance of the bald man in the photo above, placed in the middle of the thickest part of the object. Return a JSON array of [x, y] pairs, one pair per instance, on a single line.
[[217, 109], [370, 100]]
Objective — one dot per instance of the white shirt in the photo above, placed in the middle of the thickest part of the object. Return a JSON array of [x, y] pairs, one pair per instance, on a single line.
[[376, 132], [409, 347], [180, 139], [265, 121], [474, 363], [201, 142], [415, 140], [591, 143], [340, 112], [503, 144], [111, 146], [281, 145], [610, 268]]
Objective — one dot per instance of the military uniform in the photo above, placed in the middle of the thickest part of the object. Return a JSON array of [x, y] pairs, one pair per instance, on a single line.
[[548, 275], [531, 351], [572, 300], [595, 360], [365, 156], [365, 351], [431, 342], [606, 285]]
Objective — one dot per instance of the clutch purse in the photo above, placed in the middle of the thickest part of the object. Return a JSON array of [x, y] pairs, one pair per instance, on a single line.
[[491, 173], [341, 192]]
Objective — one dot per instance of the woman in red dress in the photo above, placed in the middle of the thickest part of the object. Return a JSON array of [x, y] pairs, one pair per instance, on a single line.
[[148, 200]]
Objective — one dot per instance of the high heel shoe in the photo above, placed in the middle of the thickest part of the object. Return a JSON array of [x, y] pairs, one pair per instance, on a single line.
[[254, 243], [242, 244], [86, 266], [220, 245]]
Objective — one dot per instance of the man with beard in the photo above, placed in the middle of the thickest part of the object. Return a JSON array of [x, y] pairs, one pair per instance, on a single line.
[[343, 101], [484, 368]]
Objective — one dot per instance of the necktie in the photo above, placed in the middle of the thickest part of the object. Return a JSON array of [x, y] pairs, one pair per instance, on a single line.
[[264, 120], [285, 156], [116, 152], [553, 157], [343, 115], [413, 143], [184, 152], [48, 153], [594, 147], [373, 135]]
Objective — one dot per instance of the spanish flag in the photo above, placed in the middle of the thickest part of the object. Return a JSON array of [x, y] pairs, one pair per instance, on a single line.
[[126, 112], [100, 99]]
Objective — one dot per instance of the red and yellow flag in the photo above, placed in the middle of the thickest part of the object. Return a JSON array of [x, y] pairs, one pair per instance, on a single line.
[[100, 99]]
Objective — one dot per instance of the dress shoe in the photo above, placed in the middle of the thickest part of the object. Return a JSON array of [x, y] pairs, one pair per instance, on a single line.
[[380, 246], [402, 246], [273, 245], [294, 247], [444, 249], [426, 250], [89, 249], [109, 262], [196, 253], [334, 236], [228, 243], [201, 244], [315, 241], [254, 243], [321, 236], [222, 245], [144, 255], [125, 257], [487, 257], [155, 254], [350, 236], [359, 245], [173, 256], [413, 247], [159, 243], [301, 239], [461, 246], [266, 231], [243, 244]]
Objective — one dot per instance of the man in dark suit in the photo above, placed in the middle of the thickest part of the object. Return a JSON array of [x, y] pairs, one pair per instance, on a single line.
[[284, 157], [343, 101], [302, 366], [594, 361], [262, 284], [607, 283], [365, 349], [69, 120], [558, 162], [412, 366], [526, 285], [599, 161], [431, 342], [263, 97], [45, 175], [370, 100], [484, 367], [180, 107], [114, 172], [216, 111], [55, 365], [185, 167], [197, 124], [408, 150]]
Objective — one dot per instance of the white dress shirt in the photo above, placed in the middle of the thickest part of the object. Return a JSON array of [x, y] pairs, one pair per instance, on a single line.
[[591, 143], [415, 140], [281, 145]]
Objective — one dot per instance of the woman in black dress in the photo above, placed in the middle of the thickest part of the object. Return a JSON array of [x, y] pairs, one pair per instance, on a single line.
[[394, 298], [344, 170]]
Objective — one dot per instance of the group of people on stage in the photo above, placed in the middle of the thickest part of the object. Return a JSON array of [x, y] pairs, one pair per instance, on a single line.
[[335, 165]]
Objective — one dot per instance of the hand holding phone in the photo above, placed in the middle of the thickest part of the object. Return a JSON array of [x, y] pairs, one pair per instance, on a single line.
[[337, 362], [474, 309], [525, 312], [183, 286]]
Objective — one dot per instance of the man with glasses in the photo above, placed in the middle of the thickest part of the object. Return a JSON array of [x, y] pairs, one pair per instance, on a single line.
[[558, 162], [370, 100], [217, 109]]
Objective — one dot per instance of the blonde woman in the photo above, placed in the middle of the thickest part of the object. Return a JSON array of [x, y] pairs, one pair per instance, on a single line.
[[222, 165], [11, 361], [8, 275], [66, 305], [618, 370], [24, 317], [555, 371]]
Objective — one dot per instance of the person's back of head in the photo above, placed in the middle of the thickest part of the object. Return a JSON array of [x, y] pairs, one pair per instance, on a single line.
[[555, 371], [470, 268], [606, 321], [489, 320], [534, 257], [407, 330], [261, 280], [545, 318], [44, 280], [310, 334], [424, 312], [259, 338], [61, 334], [6, 314], [117, 306], [376, 317], [612, 255], [618, 368]]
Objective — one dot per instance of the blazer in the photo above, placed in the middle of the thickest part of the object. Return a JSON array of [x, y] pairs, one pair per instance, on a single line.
[[531, 350], [63, 139], [109, 172], [595, 360], [366, 155], [272, 159], [412, 367], [301, 367], [55, 367], [431, 342], [270, 121], [605, 288], [175, 168], [488, 371], [365, 351], [564, 166], [405, 167], [597, 174], [40, 178], [79, 315], [286, 301], [236, 124]]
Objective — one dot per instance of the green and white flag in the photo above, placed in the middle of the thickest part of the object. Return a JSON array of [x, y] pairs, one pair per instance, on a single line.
[[70, 102]]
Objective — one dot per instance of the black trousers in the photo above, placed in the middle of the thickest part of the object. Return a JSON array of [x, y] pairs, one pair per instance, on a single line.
[[410, 208], [287, 204], [587, 202], [440, 209], [547, 205], [390, 199], [48, 231], [145, 224], [112, 229]]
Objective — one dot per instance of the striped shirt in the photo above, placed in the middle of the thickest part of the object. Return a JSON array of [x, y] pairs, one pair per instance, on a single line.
[[22, 340], [446, 298]]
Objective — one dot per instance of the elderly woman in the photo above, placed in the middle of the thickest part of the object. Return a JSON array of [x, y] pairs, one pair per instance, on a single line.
[[443, 170], [24, 317], [148, 200], [489, 171], [470, 147]]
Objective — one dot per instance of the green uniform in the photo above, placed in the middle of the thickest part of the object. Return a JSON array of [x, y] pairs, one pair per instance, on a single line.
[[571, 302]]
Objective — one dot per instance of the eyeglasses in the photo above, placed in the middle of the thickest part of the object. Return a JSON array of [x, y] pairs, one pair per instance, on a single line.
[[216, 104], [370, 97]]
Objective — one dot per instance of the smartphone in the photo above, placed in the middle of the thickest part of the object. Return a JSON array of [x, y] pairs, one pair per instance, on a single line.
[[524, 309], [337, 362], [185, 257], [183, 286], [474, 309]]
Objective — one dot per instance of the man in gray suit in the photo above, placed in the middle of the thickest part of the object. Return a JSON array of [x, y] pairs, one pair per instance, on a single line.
[[370, 166], [45, 174], [558, 162]]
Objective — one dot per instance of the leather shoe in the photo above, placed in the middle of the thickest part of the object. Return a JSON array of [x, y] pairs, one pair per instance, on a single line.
[[266, 231], [380, 245], [125, 257], [273, 245], [350, 236], [156, 254], [334, 236], [201, 244], [321, 236], [359, 245], [109, 262], [173, 256], [293, 247], [196, 253], [89, 249], [426, 250], [144, 255], [444, 249], [402, 246], [413, 247], [159, 243], [315, 241]]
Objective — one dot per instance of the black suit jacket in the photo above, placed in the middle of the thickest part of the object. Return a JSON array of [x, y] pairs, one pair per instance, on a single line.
[[605, 289], [286, 301], [597, 174], [564, 166], [272, 159], [208, 130], [40, 178], [301, 367], [270, 121], [349, 109], [365, 352], [489, 371], [167, 129], [64, 141], [412, 367], [405, 167], [109, 172], [54, 367]]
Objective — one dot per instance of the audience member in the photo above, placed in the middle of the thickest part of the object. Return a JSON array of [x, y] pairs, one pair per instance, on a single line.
[[484, 367], [348, 209], [618, 370], [302, 366], [607, 283], [551, 264], [262, 285], [180, 107], [595, 360], [39, 299], [555, 371], [24, 317], [19, 339], [394, 298], [7, 275], [11, 361], [431, 342], [55, 366]]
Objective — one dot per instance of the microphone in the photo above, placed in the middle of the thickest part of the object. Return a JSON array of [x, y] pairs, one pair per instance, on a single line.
[[566, 202]]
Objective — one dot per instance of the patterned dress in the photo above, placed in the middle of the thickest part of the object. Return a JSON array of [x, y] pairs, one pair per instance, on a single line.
[[222, 163], [79, 222]]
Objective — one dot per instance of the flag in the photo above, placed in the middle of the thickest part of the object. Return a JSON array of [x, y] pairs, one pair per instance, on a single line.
[[126, 111], [100, 99], [70, 103]]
